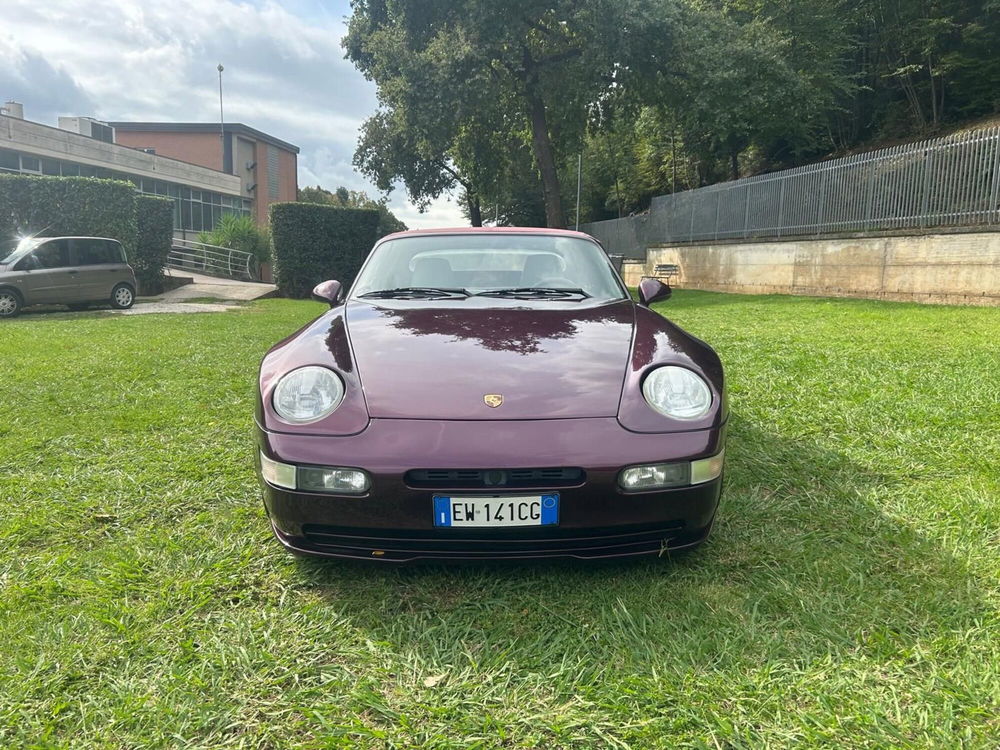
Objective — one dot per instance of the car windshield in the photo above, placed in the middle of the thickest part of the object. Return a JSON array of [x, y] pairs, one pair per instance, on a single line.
[[517, 266], [12, 250]]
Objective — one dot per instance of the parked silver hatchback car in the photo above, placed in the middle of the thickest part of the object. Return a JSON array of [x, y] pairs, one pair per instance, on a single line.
[[73, 271]]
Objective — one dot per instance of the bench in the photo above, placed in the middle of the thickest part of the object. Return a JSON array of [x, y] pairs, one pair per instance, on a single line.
[[666, 271]]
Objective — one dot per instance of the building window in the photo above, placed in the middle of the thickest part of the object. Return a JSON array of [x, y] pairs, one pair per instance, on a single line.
[[272, 173], [194, 210], [10, 161]]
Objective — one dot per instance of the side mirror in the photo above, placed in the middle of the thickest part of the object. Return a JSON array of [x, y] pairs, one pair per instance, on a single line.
[[652, 290], [328, 291]]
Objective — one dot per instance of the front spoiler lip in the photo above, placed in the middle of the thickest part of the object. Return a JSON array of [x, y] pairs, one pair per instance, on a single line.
[[369, 555]]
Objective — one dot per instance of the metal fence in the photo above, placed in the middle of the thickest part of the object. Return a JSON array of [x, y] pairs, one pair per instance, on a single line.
[[213, 260], [950, 181]]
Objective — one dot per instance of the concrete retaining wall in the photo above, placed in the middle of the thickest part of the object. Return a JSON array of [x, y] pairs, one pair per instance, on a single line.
[[937, 268]]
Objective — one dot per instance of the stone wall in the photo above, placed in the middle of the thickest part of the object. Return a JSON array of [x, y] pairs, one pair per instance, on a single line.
[[962, 268]]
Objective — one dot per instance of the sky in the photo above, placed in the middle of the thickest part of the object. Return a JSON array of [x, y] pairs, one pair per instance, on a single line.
[[285, 74]]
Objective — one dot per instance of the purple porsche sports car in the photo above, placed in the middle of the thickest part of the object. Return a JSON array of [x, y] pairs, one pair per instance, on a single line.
[[490, 394]]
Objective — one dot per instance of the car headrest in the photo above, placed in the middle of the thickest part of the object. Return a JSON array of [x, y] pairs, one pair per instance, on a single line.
[[432, 272], [539, 267]]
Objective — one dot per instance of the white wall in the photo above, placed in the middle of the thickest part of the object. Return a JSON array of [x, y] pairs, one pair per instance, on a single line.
[[938, 268]]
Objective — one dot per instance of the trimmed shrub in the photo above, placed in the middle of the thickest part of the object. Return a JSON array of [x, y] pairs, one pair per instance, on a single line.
[[313, 243], [54, 206], [240, 233], [155, 220]]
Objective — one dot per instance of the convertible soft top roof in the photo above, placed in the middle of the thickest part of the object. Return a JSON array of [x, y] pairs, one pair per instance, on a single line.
[[490, 230]]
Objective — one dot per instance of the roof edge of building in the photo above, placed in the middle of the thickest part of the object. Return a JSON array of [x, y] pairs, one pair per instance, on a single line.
[[85, 140], [201, 127]]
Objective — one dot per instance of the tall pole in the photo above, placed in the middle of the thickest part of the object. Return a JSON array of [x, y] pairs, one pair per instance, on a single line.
[[673, 163], [579, 182], [222, 120]]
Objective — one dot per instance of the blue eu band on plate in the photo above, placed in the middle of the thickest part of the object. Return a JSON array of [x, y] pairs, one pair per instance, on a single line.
[[520, 510]]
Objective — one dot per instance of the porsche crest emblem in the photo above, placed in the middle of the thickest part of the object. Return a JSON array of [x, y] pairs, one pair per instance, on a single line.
[[493, 400]]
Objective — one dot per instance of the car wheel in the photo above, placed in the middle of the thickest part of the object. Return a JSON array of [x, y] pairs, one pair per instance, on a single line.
[[122, 297], [78, 306], [10, 303]]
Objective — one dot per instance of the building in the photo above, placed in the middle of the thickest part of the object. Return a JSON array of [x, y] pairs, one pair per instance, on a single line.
[[179, 166], [267, 166]]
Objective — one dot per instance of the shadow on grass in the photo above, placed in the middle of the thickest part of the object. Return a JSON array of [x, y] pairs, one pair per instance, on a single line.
[[697, 299], [802, 564], [61, 312]]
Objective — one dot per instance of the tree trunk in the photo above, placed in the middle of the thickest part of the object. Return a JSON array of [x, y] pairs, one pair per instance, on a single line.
[[475, 211], [934, 97], [734, 164], [542, 146], [911, 96]]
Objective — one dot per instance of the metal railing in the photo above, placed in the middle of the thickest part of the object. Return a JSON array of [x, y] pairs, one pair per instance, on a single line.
[[943, 182], [213, 260]]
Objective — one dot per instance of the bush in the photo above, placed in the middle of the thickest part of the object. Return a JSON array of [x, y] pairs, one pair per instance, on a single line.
[[85, 206], [313, 243], [240, 233], [155, 220], [54, 206]]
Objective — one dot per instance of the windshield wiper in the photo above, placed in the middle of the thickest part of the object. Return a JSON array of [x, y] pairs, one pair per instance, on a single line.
[[534, 292], [415, 292]]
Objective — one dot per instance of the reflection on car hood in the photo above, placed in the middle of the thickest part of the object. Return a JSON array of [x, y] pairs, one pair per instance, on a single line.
[[439, 361]]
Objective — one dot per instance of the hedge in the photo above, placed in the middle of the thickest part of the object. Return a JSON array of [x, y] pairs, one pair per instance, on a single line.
[[89, 207], [313, 243], [54, 206], [155, 219]]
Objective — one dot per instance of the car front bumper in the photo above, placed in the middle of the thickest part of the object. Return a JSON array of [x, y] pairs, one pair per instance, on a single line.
[[393, 521]]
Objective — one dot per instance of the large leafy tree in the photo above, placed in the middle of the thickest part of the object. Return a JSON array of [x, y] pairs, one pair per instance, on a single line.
[[497, 100], [456, 79], [410, 143], [736, 89]]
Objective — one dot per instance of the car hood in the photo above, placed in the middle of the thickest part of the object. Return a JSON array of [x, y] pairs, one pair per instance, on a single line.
[[430, 360]]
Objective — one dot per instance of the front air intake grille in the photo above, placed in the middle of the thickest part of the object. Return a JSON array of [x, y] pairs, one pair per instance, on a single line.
[[494, 478], [496, 544]]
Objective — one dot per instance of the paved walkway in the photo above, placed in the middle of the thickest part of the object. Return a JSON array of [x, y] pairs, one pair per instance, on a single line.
[[206, 294], [211, 287], [145, 308]]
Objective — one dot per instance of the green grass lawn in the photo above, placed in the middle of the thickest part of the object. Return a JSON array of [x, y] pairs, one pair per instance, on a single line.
[[849, 596]]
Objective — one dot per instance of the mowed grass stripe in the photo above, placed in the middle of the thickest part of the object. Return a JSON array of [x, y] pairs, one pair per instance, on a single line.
[[848, 596]]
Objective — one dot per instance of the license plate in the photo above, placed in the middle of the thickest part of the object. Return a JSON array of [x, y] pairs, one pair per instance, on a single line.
[[522, 510]]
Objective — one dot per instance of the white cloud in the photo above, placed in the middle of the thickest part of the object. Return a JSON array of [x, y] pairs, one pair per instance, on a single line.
[[285, 73], [444, 212]]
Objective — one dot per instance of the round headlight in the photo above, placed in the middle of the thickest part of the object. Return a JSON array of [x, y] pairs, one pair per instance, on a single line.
[[307, 394], [677, 392]]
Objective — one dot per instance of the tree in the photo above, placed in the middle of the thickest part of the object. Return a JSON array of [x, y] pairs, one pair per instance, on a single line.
[[514, 196], [441, 69], [428, 157], [387, 223], [497, 100], [734, 88], [931, 45]]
